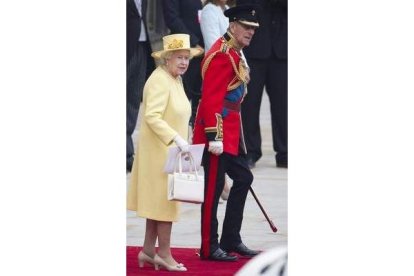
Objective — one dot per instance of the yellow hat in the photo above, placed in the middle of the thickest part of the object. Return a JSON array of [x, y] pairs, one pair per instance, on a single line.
[[177, 42]]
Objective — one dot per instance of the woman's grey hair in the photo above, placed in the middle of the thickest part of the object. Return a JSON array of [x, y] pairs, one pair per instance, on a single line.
[[165, 56]]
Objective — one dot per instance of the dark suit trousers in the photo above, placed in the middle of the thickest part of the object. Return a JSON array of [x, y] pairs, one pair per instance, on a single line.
[[272, 74], [192, 85], [136, 73], [214, 169]]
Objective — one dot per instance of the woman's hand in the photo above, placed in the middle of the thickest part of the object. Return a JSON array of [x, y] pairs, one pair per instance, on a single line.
[[181, 143]]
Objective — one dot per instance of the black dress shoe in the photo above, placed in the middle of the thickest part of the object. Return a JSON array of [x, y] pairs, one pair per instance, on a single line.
[[281, 161], [282, 165], [242, 250], [220, 255]]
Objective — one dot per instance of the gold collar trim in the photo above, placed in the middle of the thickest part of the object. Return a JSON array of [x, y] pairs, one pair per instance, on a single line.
[[231, 41]]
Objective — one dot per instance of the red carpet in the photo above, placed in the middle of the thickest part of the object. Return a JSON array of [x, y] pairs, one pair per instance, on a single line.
[[188, 257]]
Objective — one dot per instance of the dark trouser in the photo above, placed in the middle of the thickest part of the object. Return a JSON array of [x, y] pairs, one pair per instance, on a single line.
[[214, 169], [192, 85], [271, 73], [136, 73]]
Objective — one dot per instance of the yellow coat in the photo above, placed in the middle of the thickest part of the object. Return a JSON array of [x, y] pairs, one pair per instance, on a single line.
[[166, 112]]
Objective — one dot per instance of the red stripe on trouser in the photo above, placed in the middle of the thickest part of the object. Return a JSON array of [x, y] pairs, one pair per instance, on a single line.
[[208, 204]]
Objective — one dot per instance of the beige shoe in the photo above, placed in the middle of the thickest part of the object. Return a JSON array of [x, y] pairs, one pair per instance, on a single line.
[[158, 261], [144, 258]]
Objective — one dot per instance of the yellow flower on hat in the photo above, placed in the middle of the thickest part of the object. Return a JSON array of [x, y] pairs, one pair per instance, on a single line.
[[177, 42]]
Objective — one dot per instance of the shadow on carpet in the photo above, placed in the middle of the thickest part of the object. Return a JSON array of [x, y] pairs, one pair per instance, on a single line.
[[187, 256]]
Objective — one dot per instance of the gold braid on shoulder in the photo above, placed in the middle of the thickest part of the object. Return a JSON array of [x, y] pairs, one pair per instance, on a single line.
[[241, 72]]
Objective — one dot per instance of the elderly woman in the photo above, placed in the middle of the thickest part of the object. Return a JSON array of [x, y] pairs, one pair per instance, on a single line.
[[166, 113]]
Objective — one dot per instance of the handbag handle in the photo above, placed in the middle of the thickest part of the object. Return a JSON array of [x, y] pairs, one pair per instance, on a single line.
[[193, 167]]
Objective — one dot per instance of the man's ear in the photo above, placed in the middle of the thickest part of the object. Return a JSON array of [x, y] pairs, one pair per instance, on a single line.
[[231, 27]]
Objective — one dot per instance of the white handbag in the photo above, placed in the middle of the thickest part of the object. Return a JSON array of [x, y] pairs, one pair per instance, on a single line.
[[188, 186]]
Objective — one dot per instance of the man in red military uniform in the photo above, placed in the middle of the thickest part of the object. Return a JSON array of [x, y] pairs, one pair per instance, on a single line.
[[218, 125]]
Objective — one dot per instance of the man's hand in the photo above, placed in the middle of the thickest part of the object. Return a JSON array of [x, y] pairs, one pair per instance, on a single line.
[[215, 147]]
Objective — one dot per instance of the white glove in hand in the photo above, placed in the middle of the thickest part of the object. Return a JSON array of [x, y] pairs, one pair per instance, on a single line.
[[215, 147], [181, 143]]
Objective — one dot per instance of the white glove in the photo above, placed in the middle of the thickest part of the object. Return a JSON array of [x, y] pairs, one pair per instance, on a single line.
[[215, 147], [181, 143]]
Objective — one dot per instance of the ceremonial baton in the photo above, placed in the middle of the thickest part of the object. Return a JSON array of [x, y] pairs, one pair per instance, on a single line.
[[274, 229]]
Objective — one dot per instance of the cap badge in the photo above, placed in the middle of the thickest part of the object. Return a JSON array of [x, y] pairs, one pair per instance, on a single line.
[[253, 12]]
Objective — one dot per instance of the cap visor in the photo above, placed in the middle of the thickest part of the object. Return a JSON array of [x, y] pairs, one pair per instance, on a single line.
[[249, 23]]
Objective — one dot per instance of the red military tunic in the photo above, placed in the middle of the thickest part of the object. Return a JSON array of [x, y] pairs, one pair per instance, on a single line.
[[224, 80]]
